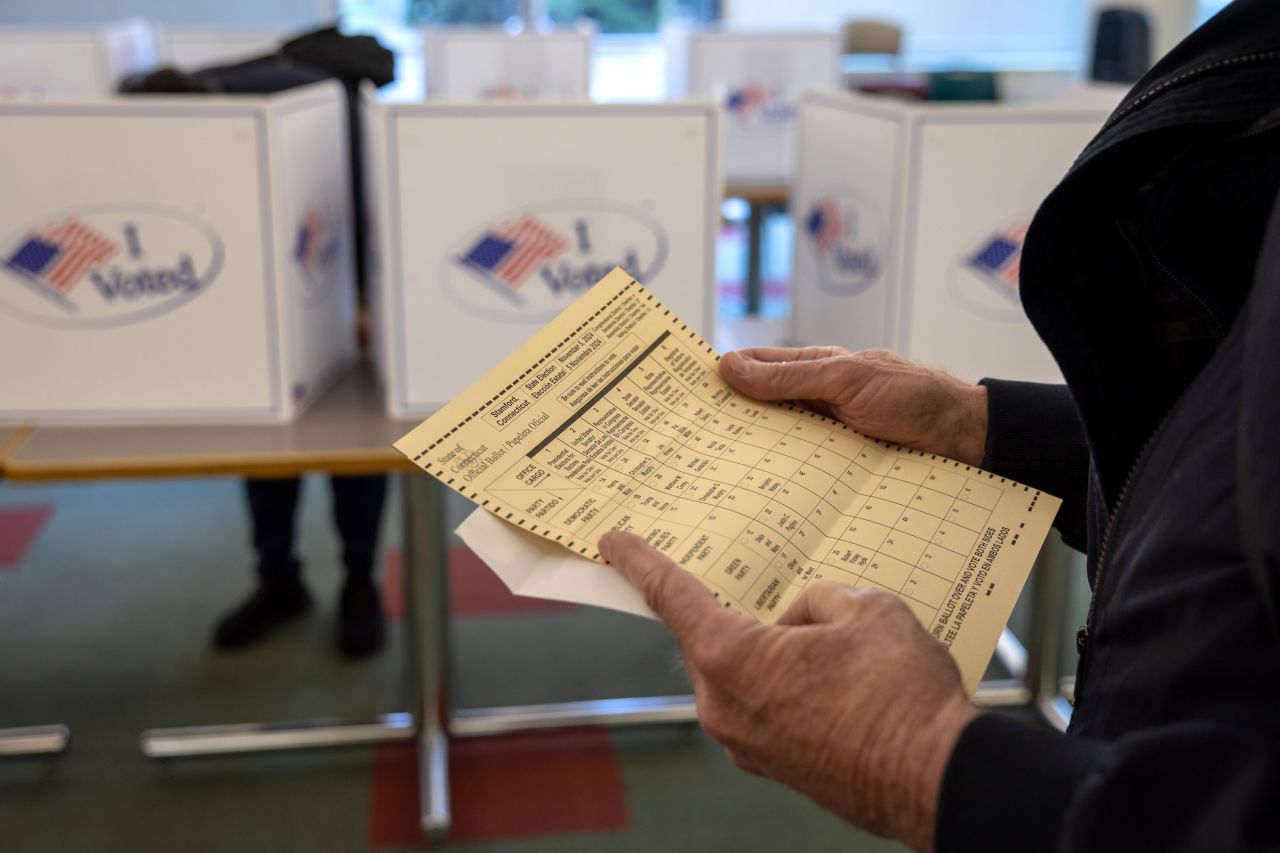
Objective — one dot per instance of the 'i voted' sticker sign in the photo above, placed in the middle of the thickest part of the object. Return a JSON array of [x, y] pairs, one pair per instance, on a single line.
[[527, 264], [107, 266], [843, 236], [756, 108], [985, 277], [319, 249]]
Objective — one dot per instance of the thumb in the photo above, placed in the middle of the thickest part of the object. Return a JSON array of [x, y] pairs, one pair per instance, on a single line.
[[813, 379]]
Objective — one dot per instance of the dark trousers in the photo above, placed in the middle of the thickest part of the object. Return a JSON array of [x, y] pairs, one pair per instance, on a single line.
[[357, 514]]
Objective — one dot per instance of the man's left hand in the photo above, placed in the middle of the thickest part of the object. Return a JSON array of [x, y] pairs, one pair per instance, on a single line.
[[846, 699]]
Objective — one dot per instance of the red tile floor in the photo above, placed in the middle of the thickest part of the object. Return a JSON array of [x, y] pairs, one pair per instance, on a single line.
[[501, 787], [20, 526], [508, 786]]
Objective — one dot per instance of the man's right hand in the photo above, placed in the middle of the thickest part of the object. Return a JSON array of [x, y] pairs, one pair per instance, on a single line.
[[875, 392]]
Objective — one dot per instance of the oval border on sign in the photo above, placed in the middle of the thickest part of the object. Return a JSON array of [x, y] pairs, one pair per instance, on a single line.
[[641, 216]]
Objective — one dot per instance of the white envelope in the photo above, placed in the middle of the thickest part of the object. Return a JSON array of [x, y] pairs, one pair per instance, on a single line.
[[539, 568]]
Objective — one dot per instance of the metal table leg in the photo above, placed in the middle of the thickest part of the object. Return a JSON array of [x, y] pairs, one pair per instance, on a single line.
[[1044, 650], [189, 741], [426, 562], [640, 711], [656, 710], [424, 555], [755, 254], [427, 597], [34, 740], [1011, 692]]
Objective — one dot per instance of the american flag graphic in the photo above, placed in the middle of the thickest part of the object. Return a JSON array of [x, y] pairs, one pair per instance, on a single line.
[[511, 252], [58, 257], [1000, 256], [316, 241], [825, 224], [746, 100]]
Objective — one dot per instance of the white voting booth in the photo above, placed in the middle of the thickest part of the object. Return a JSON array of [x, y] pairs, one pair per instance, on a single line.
[[909, 226], [193, 48], [73, 62], [492, 218], [492, 63], [171, 258], [758, 78]]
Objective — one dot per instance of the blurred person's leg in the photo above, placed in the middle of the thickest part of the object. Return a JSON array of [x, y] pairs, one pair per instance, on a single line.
[[357, 514], [280, 594]]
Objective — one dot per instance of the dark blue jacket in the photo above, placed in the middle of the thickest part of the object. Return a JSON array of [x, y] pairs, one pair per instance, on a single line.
[[310, 57], [1152, 272]]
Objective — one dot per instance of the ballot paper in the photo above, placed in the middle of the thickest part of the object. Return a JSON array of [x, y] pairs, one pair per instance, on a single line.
[[614, 417]]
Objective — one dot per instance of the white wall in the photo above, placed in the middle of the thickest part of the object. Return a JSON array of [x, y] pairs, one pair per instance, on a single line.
[[229, 13], [933, 25]]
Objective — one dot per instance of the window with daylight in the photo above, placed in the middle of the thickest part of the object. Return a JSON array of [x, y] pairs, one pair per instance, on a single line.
[[607, 16], [993, 34], [477, 12]]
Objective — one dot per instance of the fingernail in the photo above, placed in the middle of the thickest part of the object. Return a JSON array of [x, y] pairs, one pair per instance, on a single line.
[[603, 547], [734, 363]]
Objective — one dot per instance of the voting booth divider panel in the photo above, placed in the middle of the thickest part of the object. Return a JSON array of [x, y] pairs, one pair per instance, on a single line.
[[492, 63], [173, 259], [74, 62], [758, 78], [910, 221], [488, 219]]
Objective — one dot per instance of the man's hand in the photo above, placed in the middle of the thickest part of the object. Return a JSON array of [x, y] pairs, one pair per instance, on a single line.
[[874, 391], [846, 699]]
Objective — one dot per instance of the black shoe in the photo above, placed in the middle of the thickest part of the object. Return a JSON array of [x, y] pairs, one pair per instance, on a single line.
[[361, 628], [270, 606]]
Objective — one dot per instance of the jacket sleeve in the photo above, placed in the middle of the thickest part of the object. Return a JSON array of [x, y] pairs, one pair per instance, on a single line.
[[1182, 788], [1034, 436]]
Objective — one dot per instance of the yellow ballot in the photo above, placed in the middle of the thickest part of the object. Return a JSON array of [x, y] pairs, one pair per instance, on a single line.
[[614, 417]]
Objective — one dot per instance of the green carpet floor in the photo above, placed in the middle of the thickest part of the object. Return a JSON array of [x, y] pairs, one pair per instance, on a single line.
[[105, 624]]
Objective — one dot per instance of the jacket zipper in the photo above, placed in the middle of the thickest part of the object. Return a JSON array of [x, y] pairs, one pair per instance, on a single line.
[[1082, 635], [1187, 75], [1216, 326]]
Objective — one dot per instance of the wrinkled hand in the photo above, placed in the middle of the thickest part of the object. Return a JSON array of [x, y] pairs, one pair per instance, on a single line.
[[875, 392], [846, 699]]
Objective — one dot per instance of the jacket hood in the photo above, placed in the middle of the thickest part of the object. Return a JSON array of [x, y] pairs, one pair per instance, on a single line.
[[1167, 185]]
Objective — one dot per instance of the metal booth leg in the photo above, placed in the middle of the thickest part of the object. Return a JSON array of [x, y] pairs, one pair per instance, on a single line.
[[33, 740], [424, 559], [1048, 622], [427, 597], [191, 741], [426, 581], [755, 258]]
